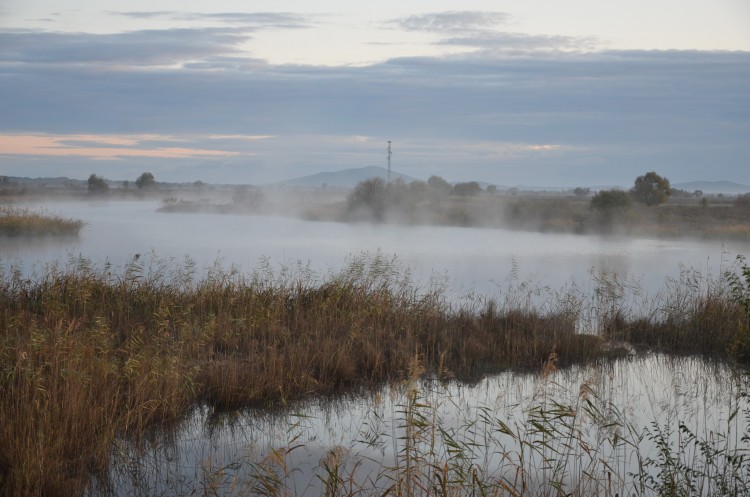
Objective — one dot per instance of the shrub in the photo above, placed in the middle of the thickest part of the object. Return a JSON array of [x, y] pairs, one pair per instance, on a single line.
[[97, 184], [651, 189]]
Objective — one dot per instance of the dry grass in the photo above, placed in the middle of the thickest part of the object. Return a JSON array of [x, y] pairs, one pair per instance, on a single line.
[[23, 222], [88, 355]]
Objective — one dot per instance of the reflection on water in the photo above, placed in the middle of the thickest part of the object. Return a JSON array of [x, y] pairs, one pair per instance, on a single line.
[[592, 419]]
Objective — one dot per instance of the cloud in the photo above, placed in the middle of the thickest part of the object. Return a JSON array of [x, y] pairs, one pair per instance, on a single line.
[[135, 48], [98, 147], [453, 22], [609, 112], [482, 31], [241, 137], [522, 43], [258, 20]]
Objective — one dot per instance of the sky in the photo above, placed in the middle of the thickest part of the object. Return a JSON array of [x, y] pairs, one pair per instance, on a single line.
[[539, 93]]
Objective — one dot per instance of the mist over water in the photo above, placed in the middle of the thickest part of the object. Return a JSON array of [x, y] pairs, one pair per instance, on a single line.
[[478, 260], [646, 388]]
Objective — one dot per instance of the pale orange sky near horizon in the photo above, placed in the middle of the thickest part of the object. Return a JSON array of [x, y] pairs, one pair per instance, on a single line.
[[544, 92], [50, 145]]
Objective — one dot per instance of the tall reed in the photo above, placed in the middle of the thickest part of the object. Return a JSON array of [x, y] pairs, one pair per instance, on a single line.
[[89, 355], [24, 222]]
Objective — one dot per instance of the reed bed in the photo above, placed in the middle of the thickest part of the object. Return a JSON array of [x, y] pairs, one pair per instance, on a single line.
[[24, 222], [90, 355]]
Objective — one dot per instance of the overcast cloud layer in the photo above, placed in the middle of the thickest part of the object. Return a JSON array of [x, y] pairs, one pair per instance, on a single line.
[[192, 103]]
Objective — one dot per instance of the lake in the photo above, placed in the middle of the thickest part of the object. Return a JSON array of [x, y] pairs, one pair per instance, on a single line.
[[366, 431], [484, 261]]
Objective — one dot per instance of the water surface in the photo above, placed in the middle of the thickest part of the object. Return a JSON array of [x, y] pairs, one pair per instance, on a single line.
[[469, 259]]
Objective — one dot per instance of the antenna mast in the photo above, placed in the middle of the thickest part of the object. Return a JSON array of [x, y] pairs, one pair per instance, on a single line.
[[389, 162]]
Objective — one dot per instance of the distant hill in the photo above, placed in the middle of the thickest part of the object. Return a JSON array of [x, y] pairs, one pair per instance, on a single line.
[[348, 178], [728, 187]]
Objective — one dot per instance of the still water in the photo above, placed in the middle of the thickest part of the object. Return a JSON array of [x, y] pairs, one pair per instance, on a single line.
[[468, 259], [365, 433], [601, 419]]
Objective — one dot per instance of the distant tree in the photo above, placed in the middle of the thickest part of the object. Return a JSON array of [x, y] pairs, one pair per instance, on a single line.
[[610, 206], [492, 189], [581, 192], [247, 196], [368, 199], [397, 192], [126, 184], [438, 184], [609, 201], [97, 184], [467, 189], [145, 181], [418, 189], [742, 201], [677, 193], [199, 185], [651, 189]]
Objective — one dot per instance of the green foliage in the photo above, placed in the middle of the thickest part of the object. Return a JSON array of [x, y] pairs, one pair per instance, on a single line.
[[97, 184], [716, 468], [145, 180], [651, 189]]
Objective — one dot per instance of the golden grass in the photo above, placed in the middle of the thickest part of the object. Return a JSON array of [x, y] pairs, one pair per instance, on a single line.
[[88, 355], [23, 222]]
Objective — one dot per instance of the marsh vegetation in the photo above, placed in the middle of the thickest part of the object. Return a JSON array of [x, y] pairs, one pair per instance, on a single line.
[[16, 222], [91, 356], [650, 208], [110, 363]]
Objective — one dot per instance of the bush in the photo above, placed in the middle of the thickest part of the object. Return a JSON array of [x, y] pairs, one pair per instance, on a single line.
[[651, 189], [608, 201], [368, 199], [469, 189], [743, 201], [610, 205], [97, 184], [145, 180]]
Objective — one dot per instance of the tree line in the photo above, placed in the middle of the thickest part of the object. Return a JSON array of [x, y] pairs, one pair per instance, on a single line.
[[98, 185]]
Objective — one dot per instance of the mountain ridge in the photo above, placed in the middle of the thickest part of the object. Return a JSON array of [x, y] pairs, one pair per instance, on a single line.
[[347, 178]]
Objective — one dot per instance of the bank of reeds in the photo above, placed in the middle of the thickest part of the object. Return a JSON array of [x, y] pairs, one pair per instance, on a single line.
[[24, 222], [90, 354], [692, 315]]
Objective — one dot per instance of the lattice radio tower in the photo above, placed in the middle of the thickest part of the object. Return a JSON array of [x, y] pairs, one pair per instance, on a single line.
[[389, 162]]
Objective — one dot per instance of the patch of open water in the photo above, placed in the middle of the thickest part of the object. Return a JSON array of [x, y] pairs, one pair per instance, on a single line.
[[593, 420]]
